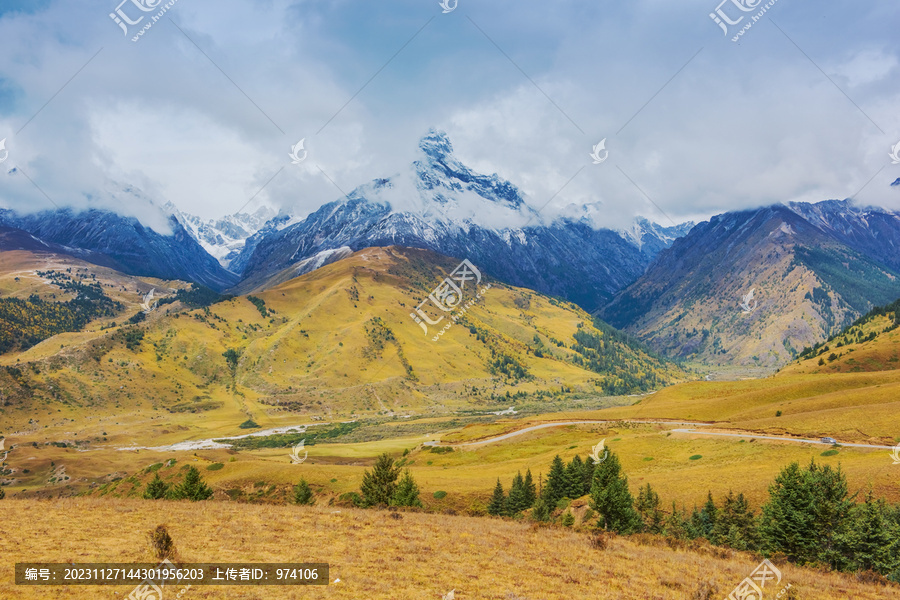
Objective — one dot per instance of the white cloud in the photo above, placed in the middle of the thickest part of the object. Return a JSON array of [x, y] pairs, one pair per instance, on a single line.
[[740, 126]]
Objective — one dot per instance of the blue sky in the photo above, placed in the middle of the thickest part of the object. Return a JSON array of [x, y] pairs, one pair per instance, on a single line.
[[802, 107]]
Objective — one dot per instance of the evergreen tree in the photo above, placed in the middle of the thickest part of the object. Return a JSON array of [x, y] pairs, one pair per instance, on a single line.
[[556, 486], [497, 505], [587, 475], [735, 524], [378, 486], [530, 490], [806, 514], [407, 492], [611, 499], [303, 494], [156, 489], [648, 508], [707, 517], [192, 487], [2, 493], [694, 525], [871, 541], [540, 511], [676, 525], [518, 500], [573, 478]]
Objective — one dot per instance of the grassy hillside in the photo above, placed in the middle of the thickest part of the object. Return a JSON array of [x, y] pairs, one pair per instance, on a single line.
[[334, 344], [378, 554], [870, 344]]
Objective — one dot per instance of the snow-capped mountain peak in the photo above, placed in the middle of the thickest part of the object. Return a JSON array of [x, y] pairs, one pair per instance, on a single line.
[[439, 189], [225, 237]]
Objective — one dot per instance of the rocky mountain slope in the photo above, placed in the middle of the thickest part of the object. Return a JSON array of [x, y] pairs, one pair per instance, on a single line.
[[695, 300], [136, 249]]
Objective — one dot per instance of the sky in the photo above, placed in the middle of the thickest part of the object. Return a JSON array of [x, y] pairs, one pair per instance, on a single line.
[[204, 108]]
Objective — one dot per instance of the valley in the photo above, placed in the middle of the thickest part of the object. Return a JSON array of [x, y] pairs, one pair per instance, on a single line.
[[333, 363]]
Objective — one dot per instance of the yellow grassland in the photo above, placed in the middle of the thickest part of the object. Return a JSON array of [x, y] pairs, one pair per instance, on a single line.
[[377, 556]]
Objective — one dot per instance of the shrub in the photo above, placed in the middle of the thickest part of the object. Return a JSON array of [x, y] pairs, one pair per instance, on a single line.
[[696, 457], [540, 512], [351, 498], [161, 543], [706, 590], [478, 509], [598, 541], [831, 452], [440, 494], [214, 467], [568, 519], [249, 424], [303, 495]]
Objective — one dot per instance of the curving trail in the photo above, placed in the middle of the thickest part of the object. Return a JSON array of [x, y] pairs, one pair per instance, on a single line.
[[512, 434], [781, 438], [506, 436]]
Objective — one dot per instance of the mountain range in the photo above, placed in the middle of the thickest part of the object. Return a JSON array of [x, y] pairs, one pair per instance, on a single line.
[[439, 204], [802, 271]]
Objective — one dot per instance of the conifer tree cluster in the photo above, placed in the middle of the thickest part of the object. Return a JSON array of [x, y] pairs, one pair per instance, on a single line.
[[381, 488], [522, 496], [810, 515], [192, 488]]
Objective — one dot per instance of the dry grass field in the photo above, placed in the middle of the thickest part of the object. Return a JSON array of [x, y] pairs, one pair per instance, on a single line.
[[377, 556]]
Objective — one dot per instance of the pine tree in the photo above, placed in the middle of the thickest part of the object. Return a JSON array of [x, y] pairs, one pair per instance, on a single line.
[[611, 499], [574, 474], [407, 492], [540, 511], [694, 524], [303, 494], [192, 487], [648, 508], [735, 524], [156, 489], [587, 475], [676, 524], [517, 501], [378, 486], [530, 490], [556, 486], [707, 517], [497, 505]]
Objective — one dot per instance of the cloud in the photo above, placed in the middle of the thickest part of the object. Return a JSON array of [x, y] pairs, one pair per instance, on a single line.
[[203, 110]]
